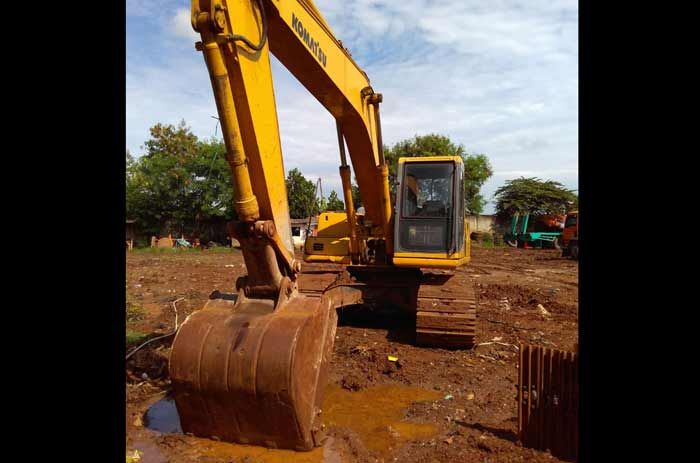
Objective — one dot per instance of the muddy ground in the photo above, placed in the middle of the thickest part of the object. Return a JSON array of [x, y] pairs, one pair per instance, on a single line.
[[432, 405]]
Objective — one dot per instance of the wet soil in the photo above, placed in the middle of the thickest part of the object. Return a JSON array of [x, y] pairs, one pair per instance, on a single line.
[[430, 405]]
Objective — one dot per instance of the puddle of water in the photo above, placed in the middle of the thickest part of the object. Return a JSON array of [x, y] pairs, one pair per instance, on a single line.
[[375, 414], [227, 452], [162, 416]]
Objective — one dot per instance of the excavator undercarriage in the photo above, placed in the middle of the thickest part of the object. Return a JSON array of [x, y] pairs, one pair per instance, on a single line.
[[443, 303]]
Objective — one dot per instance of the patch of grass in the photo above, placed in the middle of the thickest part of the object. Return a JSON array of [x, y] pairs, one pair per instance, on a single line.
[[488, 240], [140, 243], [134, 312], [135, 337]]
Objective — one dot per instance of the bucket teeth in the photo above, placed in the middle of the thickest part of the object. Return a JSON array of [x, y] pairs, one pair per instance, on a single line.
[[249, 374]]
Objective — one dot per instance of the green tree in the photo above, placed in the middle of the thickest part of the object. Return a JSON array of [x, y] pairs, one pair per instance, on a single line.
[[177, 182], [321, 204], [534, 196], [356, 200], [477, 168], [301, 194], [334, 203]]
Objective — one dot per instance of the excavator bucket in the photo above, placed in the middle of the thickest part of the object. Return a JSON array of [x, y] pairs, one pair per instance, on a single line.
[[249, 373]]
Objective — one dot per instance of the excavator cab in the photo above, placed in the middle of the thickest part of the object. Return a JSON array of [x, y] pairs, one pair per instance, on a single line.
[[429, 219], [429, 213]]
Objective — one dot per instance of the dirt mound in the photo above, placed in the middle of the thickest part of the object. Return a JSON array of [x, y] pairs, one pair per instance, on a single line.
[[522, 297], [517, 295], [368, 365]]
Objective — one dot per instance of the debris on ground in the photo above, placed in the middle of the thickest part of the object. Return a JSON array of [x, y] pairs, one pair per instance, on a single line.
[[435, 430], [134, 457], [353, 382], [360, 349]]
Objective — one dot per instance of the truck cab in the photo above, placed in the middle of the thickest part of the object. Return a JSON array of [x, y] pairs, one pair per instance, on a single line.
[[570, 235]]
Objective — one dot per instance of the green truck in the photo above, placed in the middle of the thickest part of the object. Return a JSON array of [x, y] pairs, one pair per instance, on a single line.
[[519, 235]]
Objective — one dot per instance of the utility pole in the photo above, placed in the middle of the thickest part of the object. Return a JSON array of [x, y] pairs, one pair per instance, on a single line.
[[318, 189]]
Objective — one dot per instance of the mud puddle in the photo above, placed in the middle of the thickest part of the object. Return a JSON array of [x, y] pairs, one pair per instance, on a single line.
[[162, 416], [375, 414]]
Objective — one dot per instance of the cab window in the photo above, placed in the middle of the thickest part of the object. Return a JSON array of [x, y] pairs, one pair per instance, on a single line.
[[427, 190]]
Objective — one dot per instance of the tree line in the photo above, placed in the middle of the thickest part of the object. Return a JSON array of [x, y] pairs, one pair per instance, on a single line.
[[181, 182]]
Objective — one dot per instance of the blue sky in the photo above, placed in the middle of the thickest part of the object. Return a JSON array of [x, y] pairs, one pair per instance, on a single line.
[[500, 77]]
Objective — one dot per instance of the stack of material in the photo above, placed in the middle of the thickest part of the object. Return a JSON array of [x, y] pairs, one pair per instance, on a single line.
[[548, 400], [166, 242]]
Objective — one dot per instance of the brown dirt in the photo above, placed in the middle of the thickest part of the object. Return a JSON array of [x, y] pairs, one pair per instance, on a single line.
[[479, 421]]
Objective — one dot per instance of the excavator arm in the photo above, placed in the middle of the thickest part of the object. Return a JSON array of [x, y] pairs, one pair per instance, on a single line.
[[237, 37], [250, 367]]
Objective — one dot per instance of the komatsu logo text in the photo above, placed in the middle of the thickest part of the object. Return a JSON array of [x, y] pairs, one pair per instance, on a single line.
[[308, 40]]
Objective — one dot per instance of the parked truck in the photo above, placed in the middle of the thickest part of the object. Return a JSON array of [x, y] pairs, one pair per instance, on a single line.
[[570, 236], [543, 231]]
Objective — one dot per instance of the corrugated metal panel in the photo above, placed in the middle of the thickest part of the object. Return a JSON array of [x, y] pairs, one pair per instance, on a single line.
[[548, 400]]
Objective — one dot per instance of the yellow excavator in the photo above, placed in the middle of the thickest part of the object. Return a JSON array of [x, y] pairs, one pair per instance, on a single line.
[[251, 366]]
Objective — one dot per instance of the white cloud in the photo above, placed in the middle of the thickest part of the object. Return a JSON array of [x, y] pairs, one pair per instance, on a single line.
[[178, 90], [182, 25], [501, 77], [149, 8]]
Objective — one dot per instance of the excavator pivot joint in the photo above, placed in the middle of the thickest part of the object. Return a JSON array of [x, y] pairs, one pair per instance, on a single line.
[[375, 98]]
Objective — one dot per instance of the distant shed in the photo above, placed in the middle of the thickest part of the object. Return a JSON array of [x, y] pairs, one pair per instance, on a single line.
[[482, 223], [299, 229]]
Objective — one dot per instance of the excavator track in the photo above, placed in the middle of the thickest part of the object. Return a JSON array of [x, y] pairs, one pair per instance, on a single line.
[[446, 312], [444, 302]]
